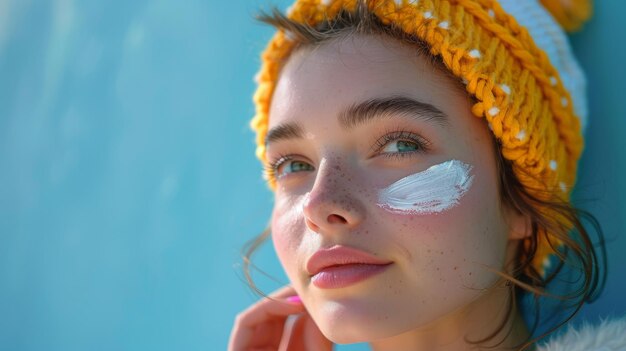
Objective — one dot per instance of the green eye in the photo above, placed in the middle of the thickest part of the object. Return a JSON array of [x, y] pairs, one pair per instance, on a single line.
[[286, 166], [401, 146], [407, 146], [297, 166]]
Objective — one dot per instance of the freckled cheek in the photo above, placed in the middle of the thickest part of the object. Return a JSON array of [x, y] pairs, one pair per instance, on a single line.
[[447, 241], [467, 239], [287, 228], [428, 234]]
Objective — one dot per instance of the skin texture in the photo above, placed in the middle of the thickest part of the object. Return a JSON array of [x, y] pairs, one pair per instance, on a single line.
[[439, 289]]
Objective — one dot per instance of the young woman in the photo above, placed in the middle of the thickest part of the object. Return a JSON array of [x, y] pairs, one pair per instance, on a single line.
[[422, 155]]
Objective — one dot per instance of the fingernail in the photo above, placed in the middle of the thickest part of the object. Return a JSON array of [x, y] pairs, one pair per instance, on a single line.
[[294, 299]]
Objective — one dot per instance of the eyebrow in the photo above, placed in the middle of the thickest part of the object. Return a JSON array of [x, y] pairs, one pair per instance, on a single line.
[[363, 112]]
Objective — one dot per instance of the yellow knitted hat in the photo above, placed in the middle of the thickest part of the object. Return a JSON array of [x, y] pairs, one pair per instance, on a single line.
[[516, 62]]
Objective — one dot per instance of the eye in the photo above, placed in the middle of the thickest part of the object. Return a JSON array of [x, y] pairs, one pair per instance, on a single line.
[[401, 146], [285, 165], [400, 143]]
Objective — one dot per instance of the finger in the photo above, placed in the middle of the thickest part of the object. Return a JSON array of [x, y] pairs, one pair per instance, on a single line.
[[302, 334], [288, 335], [314, 339], [275, 305], [262, 323]]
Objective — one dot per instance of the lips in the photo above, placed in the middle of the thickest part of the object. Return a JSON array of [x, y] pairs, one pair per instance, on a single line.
[[338, 256]]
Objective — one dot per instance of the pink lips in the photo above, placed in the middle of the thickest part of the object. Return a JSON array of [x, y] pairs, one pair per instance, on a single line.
[[341, 266]]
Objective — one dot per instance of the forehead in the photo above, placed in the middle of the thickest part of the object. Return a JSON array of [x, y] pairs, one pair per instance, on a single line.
[[323, 79]]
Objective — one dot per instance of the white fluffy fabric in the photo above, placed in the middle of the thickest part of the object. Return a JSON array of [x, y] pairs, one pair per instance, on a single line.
[[609, 335]]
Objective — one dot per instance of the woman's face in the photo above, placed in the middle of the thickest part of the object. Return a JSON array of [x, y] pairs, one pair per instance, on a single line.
[[347, 121]]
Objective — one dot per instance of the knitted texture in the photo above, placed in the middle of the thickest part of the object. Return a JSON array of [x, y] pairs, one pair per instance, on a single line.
[[517, 89]]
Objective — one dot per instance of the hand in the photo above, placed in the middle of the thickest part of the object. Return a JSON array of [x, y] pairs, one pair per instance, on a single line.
[[277, 325]]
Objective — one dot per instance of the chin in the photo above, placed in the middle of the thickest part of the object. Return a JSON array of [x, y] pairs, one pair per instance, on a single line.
[[348, 333], [349, 321]]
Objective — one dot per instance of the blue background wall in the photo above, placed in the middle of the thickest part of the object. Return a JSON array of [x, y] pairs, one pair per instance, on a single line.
[[128, 182]]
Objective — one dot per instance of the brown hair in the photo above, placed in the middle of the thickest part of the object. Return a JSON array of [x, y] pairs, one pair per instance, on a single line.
[[577, 250]]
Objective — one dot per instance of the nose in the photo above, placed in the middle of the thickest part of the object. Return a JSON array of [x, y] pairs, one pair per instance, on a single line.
[[333, 204]]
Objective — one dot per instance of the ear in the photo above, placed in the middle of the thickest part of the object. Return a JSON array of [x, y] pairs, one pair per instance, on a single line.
[[520, 225]]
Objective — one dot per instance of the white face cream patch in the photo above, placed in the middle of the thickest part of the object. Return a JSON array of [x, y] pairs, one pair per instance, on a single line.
[[431, 191]]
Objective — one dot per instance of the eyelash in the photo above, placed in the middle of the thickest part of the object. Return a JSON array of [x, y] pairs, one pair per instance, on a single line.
[[422, 146], [271, 168]]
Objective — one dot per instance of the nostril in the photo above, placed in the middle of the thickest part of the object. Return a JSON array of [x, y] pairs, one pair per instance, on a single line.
[[336, 219], [312, 226]]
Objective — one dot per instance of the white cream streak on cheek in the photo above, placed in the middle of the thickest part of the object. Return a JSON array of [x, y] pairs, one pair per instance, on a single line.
[[431, 191]]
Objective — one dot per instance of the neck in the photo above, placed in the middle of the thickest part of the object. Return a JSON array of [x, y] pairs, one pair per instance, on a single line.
[[487, 319]]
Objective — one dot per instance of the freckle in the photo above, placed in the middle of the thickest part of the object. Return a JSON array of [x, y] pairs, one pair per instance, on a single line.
[[428, 250], [441, 253], [470, 273], [437, 268], [455, 268]]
